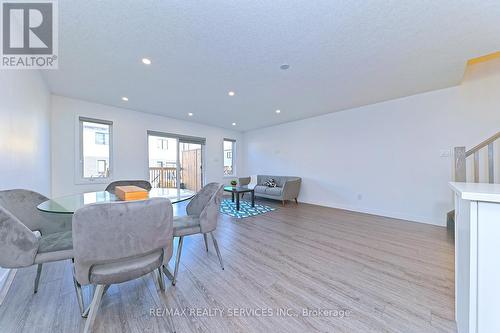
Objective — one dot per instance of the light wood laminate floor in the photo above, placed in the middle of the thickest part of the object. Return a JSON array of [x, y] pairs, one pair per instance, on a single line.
[[390, 276]]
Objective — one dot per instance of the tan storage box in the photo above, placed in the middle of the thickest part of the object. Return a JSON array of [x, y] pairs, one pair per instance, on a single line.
[[127, 193]]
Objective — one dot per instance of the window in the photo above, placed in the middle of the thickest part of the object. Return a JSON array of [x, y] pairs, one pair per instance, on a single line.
[[101, 138], [101, 167], [229, 157], [95, 149]]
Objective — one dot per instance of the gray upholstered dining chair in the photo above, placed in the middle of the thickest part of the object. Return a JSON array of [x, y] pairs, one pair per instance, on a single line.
[[244, 181], [202, 215], [140, 183], [118, 242], [30, 236]]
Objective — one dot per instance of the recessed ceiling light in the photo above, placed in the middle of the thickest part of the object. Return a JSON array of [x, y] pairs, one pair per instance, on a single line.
[[125, 99], [234, 124], [190, 114], [278, 111], [285, 67], [231, 93], [146, 61]]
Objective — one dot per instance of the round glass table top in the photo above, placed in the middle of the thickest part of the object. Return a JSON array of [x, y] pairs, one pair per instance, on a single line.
[[71, 203], [238, 188]]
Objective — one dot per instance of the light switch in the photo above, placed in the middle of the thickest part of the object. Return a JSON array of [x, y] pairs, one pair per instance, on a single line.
[[444, 153]]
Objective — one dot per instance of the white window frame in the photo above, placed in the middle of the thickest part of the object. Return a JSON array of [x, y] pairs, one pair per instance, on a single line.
[[79, 179], [233, 157]]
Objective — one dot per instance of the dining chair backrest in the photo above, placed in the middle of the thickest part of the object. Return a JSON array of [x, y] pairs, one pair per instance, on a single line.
[[205, 204], [18, 244], [244, 181], [22, 204], [114, 233], [201, 199], [139, 183], [210, 214]]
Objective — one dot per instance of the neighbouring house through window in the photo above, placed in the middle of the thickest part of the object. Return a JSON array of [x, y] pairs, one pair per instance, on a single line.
[[162, 144], [95, 146], [101, 167], [229, 157], [101, 138]]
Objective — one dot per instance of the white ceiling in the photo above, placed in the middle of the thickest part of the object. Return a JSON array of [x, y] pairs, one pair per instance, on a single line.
[[342, 54]]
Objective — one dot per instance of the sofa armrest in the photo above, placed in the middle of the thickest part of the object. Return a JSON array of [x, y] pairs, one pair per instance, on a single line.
[[291, 189]]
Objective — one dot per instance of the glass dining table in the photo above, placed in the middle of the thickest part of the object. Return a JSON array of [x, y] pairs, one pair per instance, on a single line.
[[71, 203]]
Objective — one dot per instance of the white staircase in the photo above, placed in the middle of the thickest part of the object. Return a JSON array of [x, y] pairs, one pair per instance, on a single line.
[[476, 165]]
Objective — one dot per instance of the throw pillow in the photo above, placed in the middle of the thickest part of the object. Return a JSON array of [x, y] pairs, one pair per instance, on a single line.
[[270, 183]]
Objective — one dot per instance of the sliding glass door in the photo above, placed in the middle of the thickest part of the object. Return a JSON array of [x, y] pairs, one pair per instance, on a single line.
[[191, 166], [175, 161], [162, 161]]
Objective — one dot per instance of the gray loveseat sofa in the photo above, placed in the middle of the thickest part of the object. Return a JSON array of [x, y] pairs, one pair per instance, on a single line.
[[287, 188]]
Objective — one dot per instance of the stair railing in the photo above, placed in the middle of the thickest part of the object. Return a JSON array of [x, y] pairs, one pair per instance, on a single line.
[[461, 155]]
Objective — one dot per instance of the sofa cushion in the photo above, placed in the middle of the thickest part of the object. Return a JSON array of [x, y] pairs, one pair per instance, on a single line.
[[276, 191], [280, 180], [260, 189]]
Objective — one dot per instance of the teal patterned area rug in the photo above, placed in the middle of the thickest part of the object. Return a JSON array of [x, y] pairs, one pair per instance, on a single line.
[[246, 210]]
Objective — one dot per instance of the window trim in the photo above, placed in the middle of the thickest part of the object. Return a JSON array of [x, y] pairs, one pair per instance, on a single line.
[[79, 178], [233, 157]]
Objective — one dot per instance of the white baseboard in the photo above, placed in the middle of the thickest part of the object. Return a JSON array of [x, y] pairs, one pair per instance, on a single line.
[[399, 216]]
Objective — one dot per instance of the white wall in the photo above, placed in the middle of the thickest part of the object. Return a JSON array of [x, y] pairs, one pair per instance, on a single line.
[[384, 158], [130, 145], [24, 133]]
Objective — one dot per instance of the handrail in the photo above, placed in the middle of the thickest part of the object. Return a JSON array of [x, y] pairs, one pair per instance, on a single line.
[[482, 145], [460, 156]]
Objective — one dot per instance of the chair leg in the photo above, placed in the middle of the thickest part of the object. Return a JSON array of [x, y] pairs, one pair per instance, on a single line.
[[217, 250], [106, 289], [167, 273], [94, 307], [161, 282], [79, 296], [37, 279], [296, 202], [206, 241], [178, 260], [163, 269], [85, 313]]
